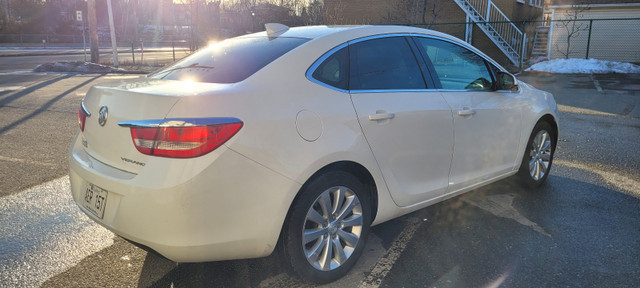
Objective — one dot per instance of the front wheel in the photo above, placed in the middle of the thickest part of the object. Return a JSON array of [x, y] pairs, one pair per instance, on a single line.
[[538, 156], [327, 227]]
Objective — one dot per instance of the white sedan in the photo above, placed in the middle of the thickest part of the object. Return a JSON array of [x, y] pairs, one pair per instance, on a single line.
[[302, 138]]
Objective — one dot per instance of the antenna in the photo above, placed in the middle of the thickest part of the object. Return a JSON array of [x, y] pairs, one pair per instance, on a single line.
[[275, 28]]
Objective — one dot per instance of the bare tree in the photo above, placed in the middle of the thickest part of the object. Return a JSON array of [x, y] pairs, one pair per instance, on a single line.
[[414, 11], [333, 15], [432, 9], [572, 26], [313, 14], [4, 5], [93, 31]]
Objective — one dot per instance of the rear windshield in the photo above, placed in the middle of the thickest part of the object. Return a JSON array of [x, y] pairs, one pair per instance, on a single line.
[[229, 61]]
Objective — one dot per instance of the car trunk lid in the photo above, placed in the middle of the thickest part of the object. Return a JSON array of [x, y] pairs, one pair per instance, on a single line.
[[140, 99]]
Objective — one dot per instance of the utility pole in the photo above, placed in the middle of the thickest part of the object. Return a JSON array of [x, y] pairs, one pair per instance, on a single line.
[[5, 9], [93, 31], [114, 46]]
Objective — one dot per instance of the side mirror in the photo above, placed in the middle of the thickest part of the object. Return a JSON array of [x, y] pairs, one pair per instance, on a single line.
[[506, 82]]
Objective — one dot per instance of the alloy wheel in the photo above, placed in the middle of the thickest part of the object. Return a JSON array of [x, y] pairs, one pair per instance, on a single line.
[[540, 155], [332, 228]]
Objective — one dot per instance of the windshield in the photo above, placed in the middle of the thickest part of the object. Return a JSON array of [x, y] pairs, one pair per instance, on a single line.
[[229, 61]]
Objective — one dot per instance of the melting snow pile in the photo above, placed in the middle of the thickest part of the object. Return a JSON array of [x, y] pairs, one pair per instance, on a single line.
[[78, 66], [586, 66]]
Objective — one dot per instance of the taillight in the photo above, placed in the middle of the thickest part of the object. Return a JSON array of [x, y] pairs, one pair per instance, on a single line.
[[182, 141], [82, 118]]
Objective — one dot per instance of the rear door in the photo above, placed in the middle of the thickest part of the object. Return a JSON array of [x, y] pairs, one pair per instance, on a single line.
[[408, 127], [486, 122]]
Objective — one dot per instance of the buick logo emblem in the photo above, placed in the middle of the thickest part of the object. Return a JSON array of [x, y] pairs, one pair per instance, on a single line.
[[102, 115]]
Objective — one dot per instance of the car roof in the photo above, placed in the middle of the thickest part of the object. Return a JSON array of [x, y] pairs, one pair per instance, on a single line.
[[341, 34], [321, 31]]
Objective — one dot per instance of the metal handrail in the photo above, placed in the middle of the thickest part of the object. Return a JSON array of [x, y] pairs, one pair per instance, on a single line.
[[508, 32], [502, 31]]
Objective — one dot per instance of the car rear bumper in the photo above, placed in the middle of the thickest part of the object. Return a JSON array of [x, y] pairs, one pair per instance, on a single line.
[[230, 208]]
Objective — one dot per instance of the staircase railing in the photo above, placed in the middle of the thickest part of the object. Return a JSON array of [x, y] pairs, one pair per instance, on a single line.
[[497, 26]]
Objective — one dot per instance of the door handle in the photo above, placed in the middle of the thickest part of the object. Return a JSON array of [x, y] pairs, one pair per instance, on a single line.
[[466, 111], [381, 116]]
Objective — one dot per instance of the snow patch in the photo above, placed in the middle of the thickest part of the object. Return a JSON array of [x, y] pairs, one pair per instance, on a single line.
[[77, 66], [584, 66]]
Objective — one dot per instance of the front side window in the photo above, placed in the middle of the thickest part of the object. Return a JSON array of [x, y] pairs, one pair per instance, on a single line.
[[384, 64], [230, 61], [456, 67]]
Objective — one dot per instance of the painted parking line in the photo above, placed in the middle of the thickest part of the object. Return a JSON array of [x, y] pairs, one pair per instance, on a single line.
[[11, 88], [43, 233], [596, 83], [385, 263]]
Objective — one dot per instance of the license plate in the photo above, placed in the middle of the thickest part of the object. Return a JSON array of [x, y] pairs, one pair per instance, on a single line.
[[95, 199]]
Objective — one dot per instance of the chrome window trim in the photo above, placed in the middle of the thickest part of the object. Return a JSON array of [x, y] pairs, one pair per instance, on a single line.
[[427, 90], [314, 66], [179, 122], [391, 90]]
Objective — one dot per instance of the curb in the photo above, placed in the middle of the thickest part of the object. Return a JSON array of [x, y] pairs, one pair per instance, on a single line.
[[53, 53]]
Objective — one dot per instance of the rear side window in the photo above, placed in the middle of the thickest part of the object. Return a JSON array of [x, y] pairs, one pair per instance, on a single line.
[[230, 61], [334, 71], [384, 64]]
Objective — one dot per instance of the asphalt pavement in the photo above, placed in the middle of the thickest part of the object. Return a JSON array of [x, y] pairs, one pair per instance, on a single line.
[[581, 229]]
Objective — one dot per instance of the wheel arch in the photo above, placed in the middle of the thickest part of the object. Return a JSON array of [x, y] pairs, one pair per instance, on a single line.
[[554, 125], [351, 167], [355, 169]]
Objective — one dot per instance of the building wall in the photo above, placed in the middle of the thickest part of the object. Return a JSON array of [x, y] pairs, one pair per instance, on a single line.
[[450, 18], [614, 40], [349, 12]]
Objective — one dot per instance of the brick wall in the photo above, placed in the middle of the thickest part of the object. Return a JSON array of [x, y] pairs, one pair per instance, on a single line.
[[448, 20]]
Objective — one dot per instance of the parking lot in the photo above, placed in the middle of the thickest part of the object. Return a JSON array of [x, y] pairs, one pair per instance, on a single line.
[[582, 229]]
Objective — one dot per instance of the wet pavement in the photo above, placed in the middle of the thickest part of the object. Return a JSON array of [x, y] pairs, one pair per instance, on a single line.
[[44, 233], [581, 229]]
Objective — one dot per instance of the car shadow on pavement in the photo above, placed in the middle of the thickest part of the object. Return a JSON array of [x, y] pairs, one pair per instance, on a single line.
[[236, 273], [6, 100], [46, 105], [569, 234]]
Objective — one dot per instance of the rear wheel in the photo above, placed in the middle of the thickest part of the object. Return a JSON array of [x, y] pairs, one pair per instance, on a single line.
[[538, 156], [327, 227]]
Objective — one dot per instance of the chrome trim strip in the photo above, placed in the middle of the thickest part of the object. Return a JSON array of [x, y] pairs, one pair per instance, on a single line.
[[425, 90], [391, 91], [84, 109], [179, 122]]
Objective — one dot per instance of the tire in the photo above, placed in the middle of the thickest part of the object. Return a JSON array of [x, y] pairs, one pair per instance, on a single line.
[[317, 212], [538, 156]]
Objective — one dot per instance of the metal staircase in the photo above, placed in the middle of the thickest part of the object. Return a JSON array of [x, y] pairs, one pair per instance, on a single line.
[[497, 26], [541, 41]]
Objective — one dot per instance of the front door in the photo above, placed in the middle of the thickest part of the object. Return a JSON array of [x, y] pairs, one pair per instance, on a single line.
[[486, 122]]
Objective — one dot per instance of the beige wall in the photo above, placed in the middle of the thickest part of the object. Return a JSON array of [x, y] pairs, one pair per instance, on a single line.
[[614, 40]]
